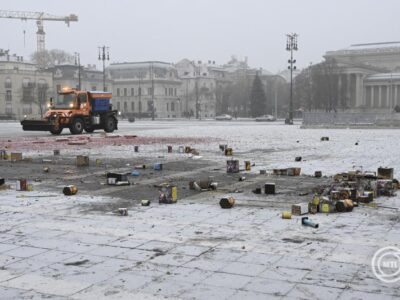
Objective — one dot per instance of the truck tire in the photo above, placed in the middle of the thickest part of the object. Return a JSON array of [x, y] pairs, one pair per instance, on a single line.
[[109, 124], [56, 131], [89, 129], [76, 126]]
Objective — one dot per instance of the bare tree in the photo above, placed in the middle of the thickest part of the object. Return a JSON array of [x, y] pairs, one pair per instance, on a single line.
[[53, 57]]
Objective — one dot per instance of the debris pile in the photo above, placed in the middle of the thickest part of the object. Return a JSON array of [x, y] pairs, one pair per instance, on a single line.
[[348, 190]]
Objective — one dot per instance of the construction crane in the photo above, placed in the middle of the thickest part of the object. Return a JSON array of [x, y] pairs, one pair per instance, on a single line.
[[39, 17]]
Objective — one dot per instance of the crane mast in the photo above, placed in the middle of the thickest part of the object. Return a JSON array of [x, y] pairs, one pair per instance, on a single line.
[[39, 17]]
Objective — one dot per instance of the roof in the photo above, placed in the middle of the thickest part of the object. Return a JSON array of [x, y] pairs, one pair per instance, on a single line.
[[138, 65], [368, 48], [374, 46]]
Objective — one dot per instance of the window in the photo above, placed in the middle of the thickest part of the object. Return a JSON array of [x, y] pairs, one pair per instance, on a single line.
[[140, 106], [125, 92], [149, 91], [166, 92], [125, 106], [58, 87], [167, 106], [132, 92], [42, 84], [8, 109], [170, 91], [42, 95], [82, 98], [118, 106], [140, 91], [8, 96], [172, 106], [118, 92], [105, 88], [175, 91], [26, 83], [8, 84], [94, 88], [133, 106]]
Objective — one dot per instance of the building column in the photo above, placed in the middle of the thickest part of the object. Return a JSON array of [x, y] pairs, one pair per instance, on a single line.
[[373, 96], [359, 90], [379, 97], [339, 90], [388, 96], [348, 97], [364, 96], [395, 95]]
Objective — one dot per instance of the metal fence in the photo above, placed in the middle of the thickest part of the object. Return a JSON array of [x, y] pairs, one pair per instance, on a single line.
[[337, 119]]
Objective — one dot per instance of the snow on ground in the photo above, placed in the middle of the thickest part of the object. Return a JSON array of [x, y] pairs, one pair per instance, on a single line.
[[51, 248], [269, 145]]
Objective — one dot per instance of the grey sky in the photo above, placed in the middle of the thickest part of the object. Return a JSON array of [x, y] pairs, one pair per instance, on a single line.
[[169, 30]]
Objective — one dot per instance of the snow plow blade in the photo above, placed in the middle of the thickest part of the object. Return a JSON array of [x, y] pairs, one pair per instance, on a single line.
[[36, 125]]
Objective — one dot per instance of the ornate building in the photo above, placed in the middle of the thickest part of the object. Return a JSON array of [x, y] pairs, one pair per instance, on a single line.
[[24, 88], [370, 74], [140, 86]]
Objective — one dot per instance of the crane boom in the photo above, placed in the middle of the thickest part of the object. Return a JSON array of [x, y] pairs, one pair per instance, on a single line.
[[29, 15]]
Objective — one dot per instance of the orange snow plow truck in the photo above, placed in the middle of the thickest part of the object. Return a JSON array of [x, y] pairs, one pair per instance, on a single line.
[[77, 111]]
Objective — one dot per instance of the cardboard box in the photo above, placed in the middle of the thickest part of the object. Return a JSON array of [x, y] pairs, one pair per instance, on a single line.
[[279, 171], [232, 166], [116, 178], [168, 194], [293, 171], [385, 173], [82, 161], [299, 209], [16, 156]]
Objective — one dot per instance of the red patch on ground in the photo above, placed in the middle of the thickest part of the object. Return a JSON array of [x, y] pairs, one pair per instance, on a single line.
[[71, 142]]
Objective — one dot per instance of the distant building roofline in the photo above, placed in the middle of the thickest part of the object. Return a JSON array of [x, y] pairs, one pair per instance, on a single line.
[[371, 44]]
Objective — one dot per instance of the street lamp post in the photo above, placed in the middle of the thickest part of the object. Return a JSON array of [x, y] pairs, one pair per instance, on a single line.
[[78, 63], [104, 55], [140, 95], [291, 45], [152, 91], [198, 113]]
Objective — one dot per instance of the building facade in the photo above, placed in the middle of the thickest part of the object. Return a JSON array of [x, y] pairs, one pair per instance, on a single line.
[[69, 75], [199, 88], [24, 88], [146, 89], [370, 74]]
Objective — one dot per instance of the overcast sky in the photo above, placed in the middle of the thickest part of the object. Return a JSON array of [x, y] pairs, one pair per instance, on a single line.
[[169, 30]]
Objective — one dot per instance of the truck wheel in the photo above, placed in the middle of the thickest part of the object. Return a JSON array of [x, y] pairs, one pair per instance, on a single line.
[[56, 131], [89, 129], [109, 124], [77, 126]]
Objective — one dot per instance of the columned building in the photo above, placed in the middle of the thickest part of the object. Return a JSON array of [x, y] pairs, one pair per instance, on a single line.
[[369, 75], [140, 86]]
